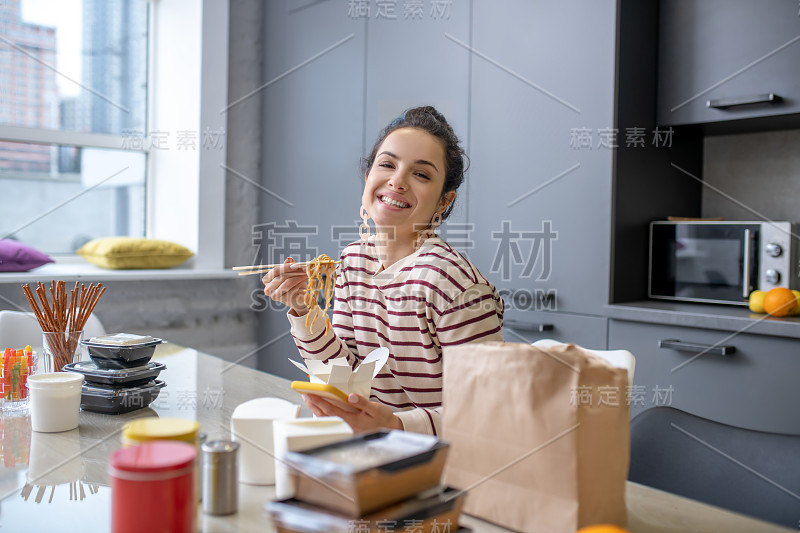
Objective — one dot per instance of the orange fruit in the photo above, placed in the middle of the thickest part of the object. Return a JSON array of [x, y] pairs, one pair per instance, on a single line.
[[780, 302], [602, 528]]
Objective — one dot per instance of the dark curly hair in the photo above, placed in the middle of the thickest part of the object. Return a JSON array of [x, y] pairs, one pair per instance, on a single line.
[[428, 119]]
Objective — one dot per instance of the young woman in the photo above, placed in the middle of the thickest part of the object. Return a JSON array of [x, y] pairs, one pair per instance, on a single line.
[[403, 288]]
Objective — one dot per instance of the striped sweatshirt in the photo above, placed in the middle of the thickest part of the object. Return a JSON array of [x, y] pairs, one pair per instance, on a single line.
[[431, 299]]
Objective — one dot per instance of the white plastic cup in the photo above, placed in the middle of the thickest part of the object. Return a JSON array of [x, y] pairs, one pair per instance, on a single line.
[[55, 401]]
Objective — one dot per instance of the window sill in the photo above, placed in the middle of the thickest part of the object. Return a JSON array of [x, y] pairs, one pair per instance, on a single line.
[[71, 272]]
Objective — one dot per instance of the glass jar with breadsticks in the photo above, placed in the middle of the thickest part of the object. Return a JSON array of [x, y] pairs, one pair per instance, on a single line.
[[321, 273], [62, 318]]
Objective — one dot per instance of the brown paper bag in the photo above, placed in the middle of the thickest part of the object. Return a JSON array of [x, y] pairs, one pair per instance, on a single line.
[[539, 437]]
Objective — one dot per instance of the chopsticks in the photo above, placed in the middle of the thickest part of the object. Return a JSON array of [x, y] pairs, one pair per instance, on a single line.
[[260, 269]]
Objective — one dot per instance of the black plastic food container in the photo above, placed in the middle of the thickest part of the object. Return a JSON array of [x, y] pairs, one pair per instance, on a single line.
[[126, 377], [116, 401], [121, 350]]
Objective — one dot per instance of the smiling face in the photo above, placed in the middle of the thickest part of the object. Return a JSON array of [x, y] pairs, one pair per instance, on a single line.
[[403, 188]]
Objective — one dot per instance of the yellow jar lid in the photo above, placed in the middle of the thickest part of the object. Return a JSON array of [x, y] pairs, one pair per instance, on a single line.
[[153, 428]]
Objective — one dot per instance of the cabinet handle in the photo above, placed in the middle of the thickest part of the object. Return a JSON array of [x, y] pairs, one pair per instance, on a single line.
[[527, 326], [724, 103], [675, 344]]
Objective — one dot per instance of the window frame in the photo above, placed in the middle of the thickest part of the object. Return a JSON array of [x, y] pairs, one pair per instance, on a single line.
[[24, 134], [201, 195]]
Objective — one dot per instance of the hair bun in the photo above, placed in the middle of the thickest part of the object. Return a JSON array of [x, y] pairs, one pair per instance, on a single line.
[[424, 110]]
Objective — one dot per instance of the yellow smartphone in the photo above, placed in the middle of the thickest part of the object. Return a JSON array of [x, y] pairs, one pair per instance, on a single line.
[[329, 392]]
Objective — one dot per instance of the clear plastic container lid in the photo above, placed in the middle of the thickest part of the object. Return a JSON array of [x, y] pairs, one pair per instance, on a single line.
[[358, 454], [106, 391], [112, 376], [127, 340]]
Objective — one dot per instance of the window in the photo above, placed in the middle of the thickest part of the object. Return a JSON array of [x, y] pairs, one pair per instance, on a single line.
[[74, 94]]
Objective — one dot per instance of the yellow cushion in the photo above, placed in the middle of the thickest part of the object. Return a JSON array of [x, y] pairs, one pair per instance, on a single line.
[[132, 252]]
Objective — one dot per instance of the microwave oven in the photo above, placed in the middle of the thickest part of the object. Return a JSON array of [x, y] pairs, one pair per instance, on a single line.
[[722, 262]]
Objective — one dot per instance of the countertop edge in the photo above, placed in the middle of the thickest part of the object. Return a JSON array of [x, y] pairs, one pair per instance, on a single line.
[[705, 317]]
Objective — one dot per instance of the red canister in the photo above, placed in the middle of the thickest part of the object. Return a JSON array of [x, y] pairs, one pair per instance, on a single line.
[[152, 488]]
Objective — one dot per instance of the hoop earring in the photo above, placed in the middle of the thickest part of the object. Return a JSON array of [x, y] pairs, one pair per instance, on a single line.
[[363, 229], [428, 232]]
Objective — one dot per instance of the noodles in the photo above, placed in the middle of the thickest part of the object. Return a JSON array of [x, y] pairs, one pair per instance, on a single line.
[[316, 269]]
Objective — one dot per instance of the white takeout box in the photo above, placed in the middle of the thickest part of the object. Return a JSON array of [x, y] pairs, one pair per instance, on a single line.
[[300, 435], [251, 427], [337, 372]]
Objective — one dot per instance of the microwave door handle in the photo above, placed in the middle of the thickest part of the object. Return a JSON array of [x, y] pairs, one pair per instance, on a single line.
[[746, 265]]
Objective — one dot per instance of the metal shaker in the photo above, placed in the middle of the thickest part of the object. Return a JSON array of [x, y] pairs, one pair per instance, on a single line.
[[220, 482], [198, 466]]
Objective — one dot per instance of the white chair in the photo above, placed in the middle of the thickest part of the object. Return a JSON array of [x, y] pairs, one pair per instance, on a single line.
[[18, 329], [617, 358]]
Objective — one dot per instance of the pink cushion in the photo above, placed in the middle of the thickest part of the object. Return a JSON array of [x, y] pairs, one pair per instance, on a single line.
[[18, 257]]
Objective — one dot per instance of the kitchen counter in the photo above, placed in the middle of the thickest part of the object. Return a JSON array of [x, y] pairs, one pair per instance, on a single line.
[[709, 316], [58, 481]]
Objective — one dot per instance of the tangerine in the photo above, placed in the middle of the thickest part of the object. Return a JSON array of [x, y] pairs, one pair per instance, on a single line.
[[780, 302]]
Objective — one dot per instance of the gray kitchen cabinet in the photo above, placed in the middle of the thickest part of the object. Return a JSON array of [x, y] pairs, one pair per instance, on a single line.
[[529, 327], [717, 58], [754, 386], [541, 125]]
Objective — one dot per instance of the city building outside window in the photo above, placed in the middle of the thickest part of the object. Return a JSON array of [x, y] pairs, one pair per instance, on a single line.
[[73, 117]]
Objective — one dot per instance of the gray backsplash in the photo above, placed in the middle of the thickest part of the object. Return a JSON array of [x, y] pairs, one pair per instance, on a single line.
[[759, 174]]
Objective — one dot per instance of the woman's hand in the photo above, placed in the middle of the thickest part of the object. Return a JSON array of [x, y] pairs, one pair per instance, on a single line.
[[369, 416], [287, 284]]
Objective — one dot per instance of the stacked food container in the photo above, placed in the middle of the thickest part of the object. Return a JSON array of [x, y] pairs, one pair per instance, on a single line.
[[120, 377], [368, 483]]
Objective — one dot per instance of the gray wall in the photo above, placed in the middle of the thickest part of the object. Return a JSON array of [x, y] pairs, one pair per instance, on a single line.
[[313, 134], [761, 170]]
